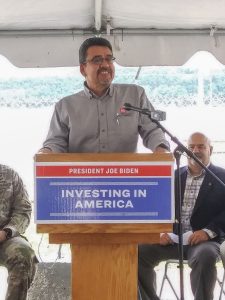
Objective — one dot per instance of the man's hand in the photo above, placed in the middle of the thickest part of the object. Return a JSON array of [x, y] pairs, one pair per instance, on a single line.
[[160, 150], [44, 150], [198, 237], [165, 240], [2, 236]]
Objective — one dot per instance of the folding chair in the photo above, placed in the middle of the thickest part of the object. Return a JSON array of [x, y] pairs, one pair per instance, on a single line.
[[221, 284], [222, 254], [166, 277]]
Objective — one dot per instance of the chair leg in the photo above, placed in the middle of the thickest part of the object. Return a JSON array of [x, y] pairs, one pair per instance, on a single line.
[[170, 283], [139, 294], [221, 283], [166, 277], [162, 285]]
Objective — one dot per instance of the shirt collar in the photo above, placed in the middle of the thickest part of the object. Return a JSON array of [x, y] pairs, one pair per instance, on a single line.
[[92, 95], [202, 174]]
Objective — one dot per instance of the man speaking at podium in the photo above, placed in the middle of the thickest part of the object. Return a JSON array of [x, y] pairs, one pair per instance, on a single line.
[[94, 119]]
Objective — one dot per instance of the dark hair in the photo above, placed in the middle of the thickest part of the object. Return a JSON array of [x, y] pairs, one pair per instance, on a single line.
[[94, 41]]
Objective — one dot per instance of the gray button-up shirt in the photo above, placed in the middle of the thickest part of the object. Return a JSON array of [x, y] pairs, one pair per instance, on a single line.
[[84, 122]]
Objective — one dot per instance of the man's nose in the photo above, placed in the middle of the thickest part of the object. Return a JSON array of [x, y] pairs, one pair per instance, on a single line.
[[195, 149], [105, 62]]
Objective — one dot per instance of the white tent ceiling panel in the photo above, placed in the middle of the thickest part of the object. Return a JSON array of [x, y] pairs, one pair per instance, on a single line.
[[166, 50], [143, 32], [165, 14], [46, 14], [62, 50]]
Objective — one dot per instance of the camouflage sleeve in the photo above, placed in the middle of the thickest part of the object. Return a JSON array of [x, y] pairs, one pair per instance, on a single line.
[[20, 207]]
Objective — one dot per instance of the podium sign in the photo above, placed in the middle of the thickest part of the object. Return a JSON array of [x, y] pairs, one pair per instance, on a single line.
[[104, 192], [104, 205]]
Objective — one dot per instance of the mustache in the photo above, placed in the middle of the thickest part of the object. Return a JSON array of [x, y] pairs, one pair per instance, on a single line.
[[197, 155], [103, 69]]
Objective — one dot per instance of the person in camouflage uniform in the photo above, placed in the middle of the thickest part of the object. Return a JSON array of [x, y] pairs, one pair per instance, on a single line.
[[16, 253]]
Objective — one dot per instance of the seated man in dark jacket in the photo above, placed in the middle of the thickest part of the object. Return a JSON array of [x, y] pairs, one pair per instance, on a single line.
[[203, 215]]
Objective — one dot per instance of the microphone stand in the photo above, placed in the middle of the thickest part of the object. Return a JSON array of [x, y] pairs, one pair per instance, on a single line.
[[177, 154]]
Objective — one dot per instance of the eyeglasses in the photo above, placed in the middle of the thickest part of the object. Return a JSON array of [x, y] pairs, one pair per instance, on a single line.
[[98, 60]]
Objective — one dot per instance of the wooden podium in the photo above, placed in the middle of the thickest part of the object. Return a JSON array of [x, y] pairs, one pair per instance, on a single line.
[[104, 256]]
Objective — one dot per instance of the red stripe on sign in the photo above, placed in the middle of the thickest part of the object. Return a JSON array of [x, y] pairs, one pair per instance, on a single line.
[[98, 171]]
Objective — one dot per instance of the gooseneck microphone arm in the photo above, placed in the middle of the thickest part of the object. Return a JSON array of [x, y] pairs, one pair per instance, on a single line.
[[155, 114], [177, 154], [145, 111], [180, 147]]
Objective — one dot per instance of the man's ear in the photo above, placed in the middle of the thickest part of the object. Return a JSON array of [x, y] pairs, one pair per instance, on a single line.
[[211, 150], [82, 70]]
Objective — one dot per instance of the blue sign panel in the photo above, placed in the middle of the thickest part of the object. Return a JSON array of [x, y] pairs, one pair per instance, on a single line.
[[100, 199]]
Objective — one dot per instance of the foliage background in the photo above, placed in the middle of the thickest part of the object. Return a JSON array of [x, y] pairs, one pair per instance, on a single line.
[[178, 86]]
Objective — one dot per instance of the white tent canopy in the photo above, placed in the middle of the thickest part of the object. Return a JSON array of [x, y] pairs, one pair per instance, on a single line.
[[48, 33]]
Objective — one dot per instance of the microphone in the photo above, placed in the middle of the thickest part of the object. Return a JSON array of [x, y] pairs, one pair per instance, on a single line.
[[157, 115]]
